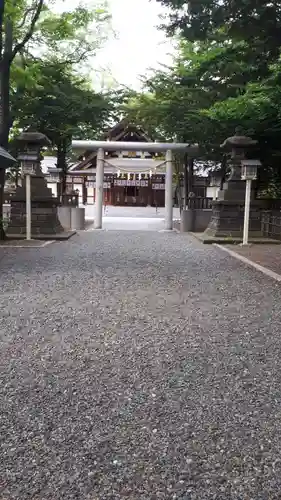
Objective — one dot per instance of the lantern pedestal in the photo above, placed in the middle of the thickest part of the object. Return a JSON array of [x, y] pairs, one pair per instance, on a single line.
[[227, 219], [44, 218]]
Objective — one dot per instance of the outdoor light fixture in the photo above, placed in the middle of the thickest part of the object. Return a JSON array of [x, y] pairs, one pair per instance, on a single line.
[[249, 170], [28, 164]]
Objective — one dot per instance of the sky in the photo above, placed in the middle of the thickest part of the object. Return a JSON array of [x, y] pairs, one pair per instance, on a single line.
[[135, 44], [138, 45]]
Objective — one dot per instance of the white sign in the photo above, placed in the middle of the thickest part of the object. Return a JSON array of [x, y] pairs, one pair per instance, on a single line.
[[106, 185], [124, 182]]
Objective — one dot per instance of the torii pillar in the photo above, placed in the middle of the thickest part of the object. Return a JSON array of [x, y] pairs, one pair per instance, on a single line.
[[99, 188], [169, 191]]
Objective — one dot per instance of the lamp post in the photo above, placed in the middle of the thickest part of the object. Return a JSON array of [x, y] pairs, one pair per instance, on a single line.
[[28, 169], [248, 173]]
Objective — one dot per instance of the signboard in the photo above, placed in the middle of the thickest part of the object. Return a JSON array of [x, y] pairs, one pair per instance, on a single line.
[[158, 186], [75, 180], [125, 182], [106, 185]]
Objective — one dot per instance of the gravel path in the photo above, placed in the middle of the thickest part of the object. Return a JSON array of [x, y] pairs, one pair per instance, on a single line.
[[138, 366]]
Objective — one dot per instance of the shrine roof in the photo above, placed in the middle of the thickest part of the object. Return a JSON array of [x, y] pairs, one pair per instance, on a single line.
[[123, 131]]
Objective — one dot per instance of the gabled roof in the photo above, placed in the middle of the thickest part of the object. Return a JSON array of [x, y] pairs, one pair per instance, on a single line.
[[122, 131], [90, 160]]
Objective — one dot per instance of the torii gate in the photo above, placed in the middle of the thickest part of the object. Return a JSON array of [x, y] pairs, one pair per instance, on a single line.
[[102, 146]]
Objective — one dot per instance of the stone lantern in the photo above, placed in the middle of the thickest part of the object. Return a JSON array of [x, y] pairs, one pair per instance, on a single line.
[[227, 219], [238, 145], [43, 206]]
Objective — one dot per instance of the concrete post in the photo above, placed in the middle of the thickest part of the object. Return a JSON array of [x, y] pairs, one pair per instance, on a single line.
[[99, 188], [64, 216], [77, 218], [187, 221], [28, 207], [169, 191], [247, 211]]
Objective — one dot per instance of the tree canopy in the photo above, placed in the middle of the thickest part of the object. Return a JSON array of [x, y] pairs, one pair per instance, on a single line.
[[225, 73]]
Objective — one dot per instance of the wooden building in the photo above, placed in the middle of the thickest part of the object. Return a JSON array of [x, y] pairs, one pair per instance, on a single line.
[[130, 177]]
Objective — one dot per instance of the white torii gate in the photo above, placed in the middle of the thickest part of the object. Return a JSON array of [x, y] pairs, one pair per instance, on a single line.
[[102, 146]]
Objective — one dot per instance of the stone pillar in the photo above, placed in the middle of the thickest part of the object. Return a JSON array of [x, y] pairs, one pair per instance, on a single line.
[[169, 191], [99, 189], [44, 218]]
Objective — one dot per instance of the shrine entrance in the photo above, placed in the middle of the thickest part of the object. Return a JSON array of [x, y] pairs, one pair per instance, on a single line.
[[101, 147]]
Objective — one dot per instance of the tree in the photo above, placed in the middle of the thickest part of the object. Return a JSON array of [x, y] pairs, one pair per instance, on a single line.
[[246, 20], [257, 111], [226, 73], [62, 106], [174, 96], [24, 21]]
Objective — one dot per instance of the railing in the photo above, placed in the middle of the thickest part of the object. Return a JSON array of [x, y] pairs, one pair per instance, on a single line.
[[199, 203], [271, 224]]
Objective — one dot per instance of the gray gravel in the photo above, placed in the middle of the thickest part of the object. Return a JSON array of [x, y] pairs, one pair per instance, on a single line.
[[138, 366]]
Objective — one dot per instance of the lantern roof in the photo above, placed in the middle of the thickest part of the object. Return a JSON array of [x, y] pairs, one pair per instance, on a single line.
[[37, 138]]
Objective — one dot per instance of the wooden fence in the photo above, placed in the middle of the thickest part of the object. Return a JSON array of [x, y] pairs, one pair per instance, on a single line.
[[199, 203]]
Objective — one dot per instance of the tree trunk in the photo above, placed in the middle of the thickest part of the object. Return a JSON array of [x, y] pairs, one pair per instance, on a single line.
[[62, 163], [7, 55], [185, 180], [223, 170], [190, 181], [5, 67], [4, 129]]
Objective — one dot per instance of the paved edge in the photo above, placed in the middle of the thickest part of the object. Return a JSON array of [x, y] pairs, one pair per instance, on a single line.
[[46, 243], [258, 267]]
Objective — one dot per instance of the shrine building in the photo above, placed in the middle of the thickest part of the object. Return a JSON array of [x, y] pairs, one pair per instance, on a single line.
[[131, 178]]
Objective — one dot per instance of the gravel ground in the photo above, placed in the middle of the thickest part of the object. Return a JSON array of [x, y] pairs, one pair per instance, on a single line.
[[138, 366]]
